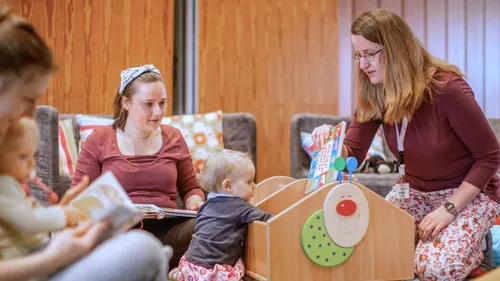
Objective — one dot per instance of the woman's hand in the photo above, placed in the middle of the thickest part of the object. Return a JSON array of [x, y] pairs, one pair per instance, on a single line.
[[73, 216], [74, 191], [433, 223], [72, 244], [320, 135], [194, 202]]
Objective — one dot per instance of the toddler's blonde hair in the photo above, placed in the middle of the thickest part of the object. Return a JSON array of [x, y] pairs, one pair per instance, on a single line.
[[220, 165]]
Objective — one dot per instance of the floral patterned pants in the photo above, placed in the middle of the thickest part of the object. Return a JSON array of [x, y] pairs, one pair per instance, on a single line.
[[456, 251], [188, 271]]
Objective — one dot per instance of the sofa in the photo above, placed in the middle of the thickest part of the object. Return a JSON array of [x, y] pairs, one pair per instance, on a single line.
[[300, 160], [239, 133]]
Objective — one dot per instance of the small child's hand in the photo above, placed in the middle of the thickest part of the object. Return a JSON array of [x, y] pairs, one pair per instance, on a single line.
[[73, 215], [194, 202], [196, 206]]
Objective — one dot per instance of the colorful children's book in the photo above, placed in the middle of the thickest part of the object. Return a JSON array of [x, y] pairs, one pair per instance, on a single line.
[[152, 211], [105, 199], [322, 171]]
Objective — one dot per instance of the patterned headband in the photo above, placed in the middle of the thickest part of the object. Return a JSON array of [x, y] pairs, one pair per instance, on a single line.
[[129, 74]]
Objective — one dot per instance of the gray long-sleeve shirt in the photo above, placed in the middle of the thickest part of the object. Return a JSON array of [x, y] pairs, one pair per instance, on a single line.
[[221, 228]]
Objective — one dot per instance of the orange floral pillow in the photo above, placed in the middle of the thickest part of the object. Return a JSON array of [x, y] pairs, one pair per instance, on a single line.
[[202, 132]]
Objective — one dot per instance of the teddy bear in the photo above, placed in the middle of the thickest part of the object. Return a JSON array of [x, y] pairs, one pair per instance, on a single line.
[[377, 164]]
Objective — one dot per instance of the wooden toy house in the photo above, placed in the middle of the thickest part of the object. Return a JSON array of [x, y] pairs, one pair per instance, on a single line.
[[275, 250]]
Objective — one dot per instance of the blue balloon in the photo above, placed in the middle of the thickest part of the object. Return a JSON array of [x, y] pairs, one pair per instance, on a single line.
[[351, 164]]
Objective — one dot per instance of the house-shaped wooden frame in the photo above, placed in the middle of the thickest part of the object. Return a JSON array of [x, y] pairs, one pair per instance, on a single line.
[[273, 250]]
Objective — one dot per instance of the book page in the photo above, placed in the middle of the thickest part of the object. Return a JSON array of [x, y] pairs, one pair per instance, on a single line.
[[105, 198]]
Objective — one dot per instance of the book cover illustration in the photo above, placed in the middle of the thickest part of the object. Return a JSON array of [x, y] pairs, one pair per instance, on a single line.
[[152, 211], [322, 169], [105, 198]]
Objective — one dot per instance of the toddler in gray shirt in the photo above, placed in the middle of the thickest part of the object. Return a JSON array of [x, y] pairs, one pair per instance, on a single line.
[[221, 224]]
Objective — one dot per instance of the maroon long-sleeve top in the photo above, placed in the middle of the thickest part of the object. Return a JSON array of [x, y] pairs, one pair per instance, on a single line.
[[448, 141], [148, 179]]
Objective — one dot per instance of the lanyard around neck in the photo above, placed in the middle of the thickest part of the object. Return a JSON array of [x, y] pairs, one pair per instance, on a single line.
[[401, 136]]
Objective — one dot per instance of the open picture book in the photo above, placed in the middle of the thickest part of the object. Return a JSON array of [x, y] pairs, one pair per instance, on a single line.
[[154, 212], [106, 199], [321, 171]]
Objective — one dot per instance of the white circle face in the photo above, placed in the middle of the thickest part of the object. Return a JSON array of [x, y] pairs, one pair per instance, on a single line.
[[346, 214]]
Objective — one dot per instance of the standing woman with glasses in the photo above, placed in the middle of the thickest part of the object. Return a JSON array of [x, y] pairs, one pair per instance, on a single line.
[[448, 153]]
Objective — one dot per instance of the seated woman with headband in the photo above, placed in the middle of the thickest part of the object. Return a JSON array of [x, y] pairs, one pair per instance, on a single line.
[[150, 160]]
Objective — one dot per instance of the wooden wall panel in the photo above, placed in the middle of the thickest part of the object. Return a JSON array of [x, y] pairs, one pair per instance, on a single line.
[[456, 33], [492, 59], [94, 40], [395, 6], [346, 77], [464, 32], [435, 28], [475, 48], [272, 59], [414, 14]]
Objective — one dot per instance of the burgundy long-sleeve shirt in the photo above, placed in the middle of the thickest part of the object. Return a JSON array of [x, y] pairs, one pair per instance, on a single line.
[[447, 141], [148, 179]]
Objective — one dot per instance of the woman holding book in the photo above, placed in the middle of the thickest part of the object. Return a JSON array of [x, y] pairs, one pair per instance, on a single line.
[[150, 160], [448, 153], [26, 65]]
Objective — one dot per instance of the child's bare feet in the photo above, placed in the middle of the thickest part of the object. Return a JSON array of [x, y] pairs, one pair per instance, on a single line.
[[172, 275]]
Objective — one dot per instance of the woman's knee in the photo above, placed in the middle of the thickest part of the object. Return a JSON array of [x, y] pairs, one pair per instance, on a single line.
[[433, 271], [143, 240], [146, 247], [431, 266]]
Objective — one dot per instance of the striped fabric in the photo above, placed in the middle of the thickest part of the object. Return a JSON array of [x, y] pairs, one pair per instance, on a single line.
[[68, 154], [87, 124]]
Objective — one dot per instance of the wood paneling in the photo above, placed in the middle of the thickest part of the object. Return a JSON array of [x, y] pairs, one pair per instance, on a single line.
[[464, 32], [492, 59], [414, 14], [272, 59], [346, 91], [475, 47], [456, 33], [93, 41], [435, 28]]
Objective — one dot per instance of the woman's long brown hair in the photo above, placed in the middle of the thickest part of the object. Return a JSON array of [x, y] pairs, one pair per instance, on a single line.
[[410, 71], [21, 48]]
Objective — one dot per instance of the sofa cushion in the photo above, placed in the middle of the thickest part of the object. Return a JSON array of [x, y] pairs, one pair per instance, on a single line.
[[68, 152], [202, 132], [87, 124]]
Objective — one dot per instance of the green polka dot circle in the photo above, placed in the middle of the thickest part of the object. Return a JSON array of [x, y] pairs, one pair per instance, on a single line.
[[318, 246]]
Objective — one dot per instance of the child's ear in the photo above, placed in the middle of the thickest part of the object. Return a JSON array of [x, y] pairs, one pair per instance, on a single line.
[[226, 184]]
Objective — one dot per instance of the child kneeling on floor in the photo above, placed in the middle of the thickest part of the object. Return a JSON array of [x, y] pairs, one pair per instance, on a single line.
[[216, 249]]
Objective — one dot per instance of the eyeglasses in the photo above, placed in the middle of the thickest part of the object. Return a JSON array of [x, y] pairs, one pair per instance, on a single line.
[[369, 57]]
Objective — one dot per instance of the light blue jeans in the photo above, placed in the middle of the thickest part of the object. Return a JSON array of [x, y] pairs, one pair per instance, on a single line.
[[132, 256]]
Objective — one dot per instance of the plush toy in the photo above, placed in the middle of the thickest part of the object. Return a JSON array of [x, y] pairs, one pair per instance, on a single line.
[[378, 165]]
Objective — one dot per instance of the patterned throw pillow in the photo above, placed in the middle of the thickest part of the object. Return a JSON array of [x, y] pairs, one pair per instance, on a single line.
[[202, 132], [68, 154]]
